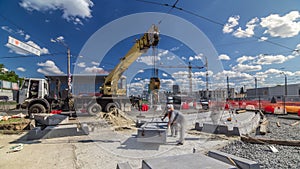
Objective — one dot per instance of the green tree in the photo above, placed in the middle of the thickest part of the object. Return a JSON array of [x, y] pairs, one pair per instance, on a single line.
[[8, 75]]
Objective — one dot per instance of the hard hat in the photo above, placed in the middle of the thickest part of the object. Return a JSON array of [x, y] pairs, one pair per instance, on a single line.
[[170, 106]]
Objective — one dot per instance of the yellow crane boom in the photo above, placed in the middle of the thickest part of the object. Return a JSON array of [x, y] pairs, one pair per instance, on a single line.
[[149, 39]]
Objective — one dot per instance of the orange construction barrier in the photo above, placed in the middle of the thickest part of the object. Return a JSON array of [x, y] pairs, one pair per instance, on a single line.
[[185, 105], [226, 106], [145, 107], [269, 109]]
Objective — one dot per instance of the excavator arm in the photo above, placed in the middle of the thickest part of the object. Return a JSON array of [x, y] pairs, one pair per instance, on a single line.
[[149, 39]]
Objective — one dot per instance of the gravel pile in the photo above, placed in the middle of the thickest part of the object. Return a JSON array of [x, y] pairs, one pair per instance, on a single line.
[[286, 157]]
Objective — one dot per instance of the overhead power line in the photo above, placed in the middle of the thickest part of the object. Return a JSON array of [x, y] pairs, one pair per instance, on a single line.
[[208, 19], [29, 56]]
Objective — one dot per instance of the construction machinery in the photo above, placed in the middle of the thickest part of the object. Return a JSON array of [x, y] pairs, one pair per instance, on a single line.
[[36, 96]]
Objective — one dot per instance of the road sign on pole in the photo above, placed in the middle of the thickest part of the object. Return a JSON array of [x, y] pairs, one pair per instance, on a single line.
[[24, 46]]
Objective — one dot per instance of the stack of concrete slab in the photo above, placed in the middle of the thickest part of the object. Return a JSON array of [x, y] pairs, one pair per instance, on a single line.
[[153, 132], [239, 124], [53, 126]]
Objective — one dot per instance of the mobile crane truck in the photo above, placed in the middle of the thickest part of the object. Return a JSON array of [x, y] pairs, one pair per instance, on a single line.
[[34, 94]]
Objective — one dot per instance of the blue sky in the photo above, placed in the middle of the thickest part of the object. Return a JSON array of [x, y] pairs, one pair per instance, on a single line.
[[249, 39]]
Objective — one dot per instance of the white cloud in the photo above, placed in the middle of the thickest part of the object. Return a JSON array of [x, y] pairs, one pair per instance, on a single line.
[[174, 49], [272, 59], [171, 57], [60, 38], [233, 75], [81, 64], [200, 74], [244, 59], [180, 74], [148, 60], [165, 75], [263, 38], [21, 69], [282, 26], [248, 32], [196, 57], [20, 32], [7, 29], [95, 63], [224, 57], [162, 53], [231, 23], [11, 31], [246, 68], [77, 21], [49, 68], [199, 56], [27, 37], [72, 10], [95, 69]]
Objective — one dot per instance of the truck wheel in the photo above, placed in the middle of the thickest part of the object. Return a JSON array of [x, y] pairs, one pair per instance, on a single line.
[[36, 108], [111, 106], [94, 109]]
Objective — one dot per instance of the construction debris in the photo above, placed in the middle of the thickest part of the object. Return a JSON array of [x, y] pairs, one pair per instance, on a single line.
[[117, 118], [16, 148]]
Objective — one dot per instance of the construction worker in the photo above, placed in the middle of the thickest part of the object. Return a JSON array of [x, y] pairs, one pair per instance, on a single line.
[[173, 128], [178, 119]]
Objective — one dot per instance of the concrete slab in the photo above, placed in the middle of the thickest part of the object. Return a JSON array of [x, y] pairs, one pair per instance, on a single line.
[[184, 161], [153, 132], [148, 135], [240, 124], [56, 131], [240, 162], [124, 166], [51, 119]]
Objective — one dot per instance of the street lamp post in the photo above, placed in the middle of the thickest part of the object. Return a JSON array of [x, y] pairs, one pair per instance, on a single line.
[[69, 61], [285, 90]]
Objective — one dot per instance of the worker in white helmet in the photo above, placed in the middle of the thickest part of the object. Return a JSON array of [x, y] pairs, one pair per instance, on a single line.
[[178, 119], [173, 128]]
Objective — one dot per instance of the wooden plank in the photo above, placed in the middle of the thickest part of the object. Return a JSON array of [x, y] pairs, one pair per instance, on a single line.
[[270, 141], [263, 127], [294, 124], [278, 124]]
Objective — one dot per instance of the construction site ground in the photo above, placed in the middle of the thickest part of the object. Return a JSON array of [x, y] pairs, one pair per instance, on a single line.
[[106, 145]]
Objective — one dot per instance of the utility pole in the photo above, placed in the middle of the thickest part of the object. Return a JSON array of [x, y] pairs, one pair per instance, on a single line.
[[69, 71], [206, 65], [61, 41], [228, 90], [255, 79], [190, 78], [285, 91]]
